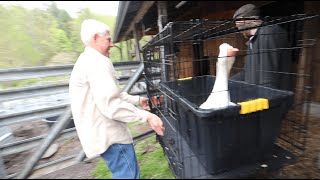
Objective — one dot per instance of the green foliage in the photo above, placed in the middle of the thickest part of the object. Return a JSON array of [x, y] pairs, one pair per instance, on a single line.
[[48, 37], [76, 26], [62, 17], [62, 40], [34, 37], [152, 161], [28, 39], [17, 47]]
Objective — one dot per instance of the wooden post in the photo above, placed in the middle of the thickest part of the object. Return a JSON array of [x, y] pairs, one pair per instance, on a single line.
[[162, 14], [128, 50], [136, 38], [306, 59], [162, 21]]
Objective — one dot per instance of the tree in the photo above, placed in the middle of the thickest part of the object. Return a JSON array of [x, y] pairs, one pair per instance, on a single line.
[[61, 16], [76, 27], [34, 37]]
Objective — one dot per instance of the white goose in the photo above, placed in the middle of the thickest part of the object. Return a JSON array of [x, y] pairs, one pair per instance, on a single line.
[[220, 96]]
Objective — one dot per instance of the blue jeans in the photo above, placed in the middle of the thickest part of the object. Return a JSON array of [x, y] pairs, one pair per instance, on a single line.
[[122, 162]]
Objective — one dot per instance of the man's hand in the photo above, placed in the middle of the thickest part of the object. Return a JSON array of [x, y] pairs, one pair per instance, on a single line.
[[144, 103], [156, 124]]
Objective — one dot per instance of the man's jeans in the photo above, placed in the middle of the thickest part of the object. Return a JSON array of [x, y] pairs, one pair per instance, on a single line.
[[122, 162]]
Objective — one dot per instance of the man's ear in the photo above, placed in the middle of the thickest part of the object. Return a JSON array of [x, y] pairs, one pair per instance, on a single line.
[[95, 37]]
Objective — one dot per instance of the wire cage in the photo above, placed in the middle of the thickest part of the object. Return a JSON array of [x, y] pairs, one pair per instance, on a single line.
[[180, 68]]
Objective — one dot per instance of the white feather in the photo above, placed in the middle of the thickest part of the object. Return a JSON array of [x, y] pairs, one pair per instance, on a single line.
[[220, 96]]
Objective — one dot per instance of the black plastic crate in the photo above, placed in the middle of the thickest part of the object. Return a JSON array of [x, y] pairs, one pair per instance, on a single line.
[[224, 139], [183, 163]]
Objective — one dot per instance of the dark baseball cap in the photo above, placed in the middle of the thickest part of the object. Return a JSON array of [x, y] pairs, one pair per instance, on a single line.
[[246, 11]]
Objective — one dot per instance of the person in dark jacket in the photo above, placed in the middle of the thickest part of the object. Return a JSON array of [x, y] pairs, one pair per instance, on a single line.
[[268, 61]]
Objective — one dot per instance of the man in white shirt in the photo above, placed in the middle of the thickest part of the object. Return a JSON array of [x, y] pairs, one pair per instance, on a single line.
[[100, 111]]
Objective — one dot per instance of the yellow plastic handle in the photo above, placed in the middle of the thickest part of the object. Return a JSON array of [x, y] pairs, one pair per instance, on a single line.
[[254, 105], [186, 78]]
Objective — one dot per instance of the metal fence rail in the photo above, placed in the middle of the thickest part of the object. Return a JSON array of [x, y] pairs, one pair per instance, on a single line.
[[31, 115], [49, 71], [42, 90], [10, 117], [27, 144]]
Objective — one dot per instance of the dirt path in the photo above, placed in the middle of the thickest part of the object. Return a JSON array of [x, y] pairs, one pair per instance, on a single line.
[[81, 170], [308, 166]]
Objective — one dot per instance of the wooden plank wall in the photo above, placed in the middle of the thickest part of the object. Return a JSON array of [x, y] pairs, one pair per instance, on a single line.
[[183, 67], [211, 49], [309, 59], [313, 7]]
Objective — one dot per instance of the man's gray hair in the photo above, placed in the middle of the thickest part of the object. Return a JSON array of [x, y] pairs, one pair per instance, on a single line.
[[90, 27]]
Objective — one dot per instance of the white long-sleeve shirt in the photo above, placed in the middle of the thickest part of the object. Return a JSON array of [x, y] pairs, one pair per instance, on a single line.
[[100, 111]]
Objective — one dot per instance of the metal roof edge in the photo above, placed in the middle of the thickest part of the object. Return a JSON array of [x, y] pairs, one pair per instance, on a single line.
[[122, 11]]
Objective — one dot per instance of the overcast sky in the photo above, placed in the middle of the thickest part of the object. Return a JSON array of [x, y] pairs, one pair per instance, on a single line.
[[72, 7]]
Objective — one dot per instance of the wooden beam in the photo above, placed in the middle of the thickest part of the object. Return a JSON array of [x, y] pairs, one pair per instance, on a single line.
[[146, 5], [137, 46], [162, 7]]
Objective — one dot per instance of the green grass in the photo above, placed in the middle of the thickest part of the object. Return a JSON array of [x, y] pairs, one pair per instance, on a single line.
[[152, 161], [134, 127]]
